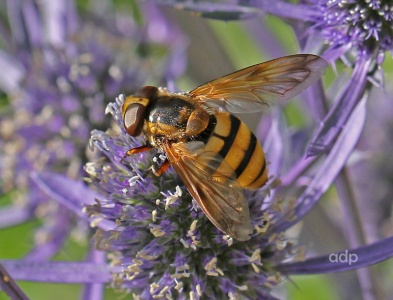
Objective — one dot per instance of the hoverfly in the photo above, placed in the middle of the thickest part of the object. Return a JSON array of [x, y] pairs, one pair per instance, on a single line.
[[213, 151]]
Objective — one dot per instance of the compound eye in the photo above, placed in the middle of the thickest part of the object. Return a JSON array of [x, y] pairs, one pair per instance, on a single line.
[[133, 118], [148, 92]]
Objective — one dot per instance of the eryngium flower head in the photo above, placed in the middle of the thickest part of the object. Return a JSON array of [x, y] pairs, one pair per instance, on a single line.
[[165, 246], [61, 89], [364, 25], [57, 75]]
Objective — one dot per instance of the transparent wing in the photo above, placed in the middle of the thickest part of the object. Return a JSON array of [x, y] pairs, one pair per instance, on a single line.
[[261, 86], [212, 183]]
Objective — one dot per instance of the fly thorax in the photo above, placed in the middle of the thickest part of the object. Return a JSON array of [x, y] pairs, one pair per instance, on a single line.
[[169, 116]]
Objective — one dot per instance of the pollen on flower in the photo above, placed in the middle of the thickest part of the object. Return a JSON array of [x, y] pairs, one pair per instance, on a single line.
[[179, 192], [192, 295], [90, 169], [163, 293], [278, 240], [211, 268], [243, 288], [133, 270], [256, 256], [255, 267], [182, 268], [154, 287], [181, 275], [264, 224], [156, 230], [273, 280], [300, 254], [141, 254], [154, 215], [185, 243], [191, 234], [281, 242], [134, 179], [199, 290], [255, 260], [179, 286], [171, 198], [228, 240], [95, 222], [192, 227]]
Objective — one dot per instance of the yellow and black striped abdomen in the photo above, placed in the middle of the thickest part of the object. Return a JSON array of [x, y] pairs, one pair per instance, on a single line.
[[233, 141]]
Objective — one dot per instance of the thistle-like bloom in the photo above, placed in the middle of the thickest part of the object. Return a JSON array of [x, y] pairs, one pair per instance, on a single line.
[[58, 70], [164, 245], [362, 27], [360, 33]]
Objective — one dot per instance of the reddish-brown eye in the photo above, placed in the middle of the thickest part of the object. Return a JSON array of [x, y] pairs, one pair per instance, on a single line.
[[134, 109], [133, 118], [147, 92]]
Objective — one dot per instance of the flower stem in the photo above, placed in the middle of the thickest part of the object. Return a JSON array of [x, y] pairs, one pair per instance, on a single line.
[[355, 233], [9, 286]]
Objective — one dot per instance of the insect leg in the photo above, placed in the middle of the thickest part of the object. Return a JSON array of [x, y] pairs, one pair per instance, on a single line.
[[137, 150], [161, 170], [197, 122]]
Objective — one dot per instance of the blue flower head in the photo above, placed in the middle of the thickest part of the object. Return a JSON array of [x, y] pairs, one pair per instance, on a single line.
[[165, 246]]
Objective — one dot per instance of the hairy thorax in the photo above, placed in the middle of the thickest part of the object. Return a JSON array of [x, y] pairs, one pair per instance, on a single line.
[[174, 118]]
